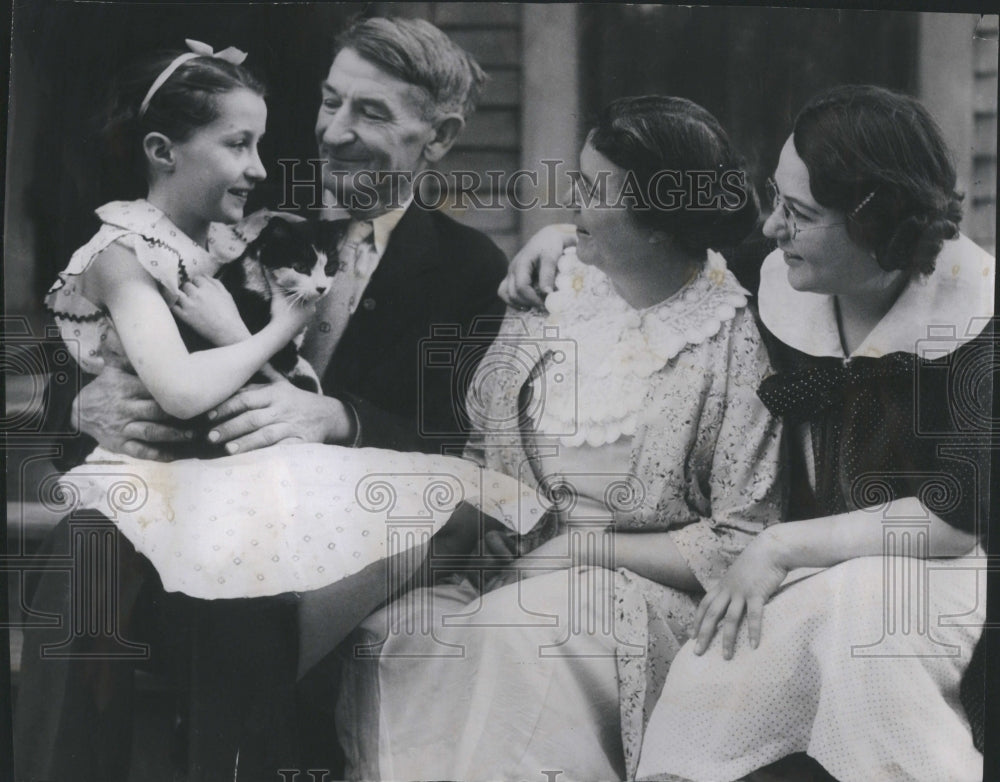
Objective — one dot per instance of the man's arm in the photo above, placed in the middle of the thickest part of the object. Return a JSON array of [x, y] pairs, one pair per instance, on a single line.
[[115, 411], [532, 271], [262, 415]]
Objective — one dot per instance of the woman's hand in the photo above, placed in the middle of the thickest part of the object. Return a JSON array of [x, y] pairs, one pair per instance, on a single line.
[[532, 272], [207, 307], [749, 583]]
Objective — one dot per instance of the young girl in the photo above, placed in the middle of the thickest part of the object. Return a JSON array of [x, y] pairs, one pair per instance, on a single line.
[[287, 518]]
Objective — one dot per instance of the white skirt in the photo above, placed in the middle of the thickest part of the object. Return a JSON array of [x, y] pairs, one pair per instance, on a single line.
[[288, 518], [858, 665], [451, 684]]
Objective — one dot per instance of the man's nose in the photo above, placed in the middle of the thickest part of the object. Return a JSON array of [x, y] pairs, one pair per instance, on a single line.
[[336, 127]]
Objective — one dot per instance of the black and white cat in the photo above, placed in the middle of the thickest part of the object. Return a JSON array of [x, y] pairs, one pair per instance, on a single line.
[[282, 260]]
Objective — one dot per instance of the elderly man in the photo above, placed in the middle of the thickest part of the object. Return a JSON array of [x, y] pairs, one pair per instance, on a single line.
[[393, 103], [395, 99]]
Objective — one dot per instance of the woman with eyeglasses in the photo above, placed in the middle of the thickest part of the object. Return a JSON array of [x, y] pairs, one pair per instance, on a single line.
[[846, 634]]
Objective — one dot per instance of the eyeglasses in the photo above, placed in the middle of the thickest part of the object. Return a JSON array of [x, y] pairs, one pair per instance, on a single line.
[[791, 223], [788, 216]]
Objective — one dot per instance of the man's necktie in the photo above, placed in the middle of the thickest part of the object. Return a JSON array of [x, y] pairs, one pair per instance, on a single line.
[[357, 259]]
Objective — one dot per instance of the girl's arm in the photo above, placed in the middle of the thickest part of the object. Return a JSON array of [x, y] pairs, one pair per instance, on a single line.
[[184, 384], [822, 542], [206, 306]]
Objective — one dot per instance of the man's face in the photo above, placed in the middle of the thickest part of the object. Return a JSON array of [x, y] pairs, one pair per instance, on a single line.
[[370, 123]]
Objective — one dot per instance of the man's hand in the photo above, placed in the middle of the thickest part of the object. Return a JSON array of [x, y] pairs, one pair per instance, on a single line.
[[117, 411], [532, 271], [257, 416]]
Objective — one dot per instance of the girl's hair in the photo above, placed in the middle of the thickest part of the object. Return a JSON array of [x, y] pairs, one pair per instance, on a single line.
[[186, 101], [879, 157], [667, 143]]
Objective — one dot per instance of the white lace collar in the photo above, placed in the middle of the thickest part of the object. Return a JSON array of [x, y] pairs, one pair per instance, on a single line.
[[613, 350], [584, 302], [933, 316]]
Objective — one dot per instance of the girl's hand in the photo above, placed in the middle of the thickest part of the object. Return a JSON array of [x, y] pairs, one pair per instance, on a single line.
[[749, 583], [290, 314], [207, 307]]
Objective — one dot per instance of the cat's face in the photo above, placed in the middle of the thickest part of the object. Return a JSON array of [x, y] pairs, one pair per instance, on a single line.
[[287, 251]]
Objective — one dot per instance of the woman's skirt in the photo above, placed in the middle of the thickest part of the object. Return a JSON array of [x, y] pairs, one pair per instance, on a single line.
[[858, 665]]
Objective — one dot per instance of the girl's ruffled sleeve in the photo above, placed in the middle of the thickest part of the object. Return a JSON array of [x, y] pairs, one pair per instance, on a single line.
[[83, 325]]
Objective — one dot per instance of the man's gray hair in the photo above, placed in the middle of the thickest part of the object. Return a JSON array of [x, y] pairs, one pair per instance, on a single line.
[[419, 53]]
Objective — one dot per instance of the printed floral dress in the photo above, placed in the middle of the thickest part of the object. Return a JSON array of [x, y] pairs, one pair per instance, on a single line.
[[644, 420]]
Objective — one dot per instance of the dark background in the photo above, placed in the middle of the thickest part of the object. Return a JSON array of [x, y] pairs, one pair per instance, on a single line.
[[752, 67]]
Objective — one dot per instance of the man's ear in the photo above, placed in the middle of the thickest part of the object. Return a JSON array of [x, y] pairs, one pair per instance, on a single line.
[[159, 152], [446, 130]]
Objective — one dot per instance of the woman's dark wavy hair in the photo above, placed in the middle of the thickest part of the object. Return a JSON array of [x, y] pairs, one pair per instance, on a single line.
[[858, 140], [653, 133], [186, 101]]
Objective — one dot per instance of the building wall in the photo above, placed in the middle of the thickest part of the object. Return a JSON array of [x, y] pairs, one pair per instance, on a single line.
[[957, 70], [492, 141], [982, 199], [529, 112]]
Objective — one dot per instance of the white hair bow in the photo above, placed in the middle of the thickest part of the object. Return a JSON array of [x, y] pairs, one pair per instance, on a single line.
[[229, 54], [198, 49]]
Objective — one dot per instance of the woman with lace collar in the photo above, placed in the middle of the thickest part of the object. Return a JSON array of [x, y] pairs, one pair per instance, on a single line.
[[631, 402], [879, 312]]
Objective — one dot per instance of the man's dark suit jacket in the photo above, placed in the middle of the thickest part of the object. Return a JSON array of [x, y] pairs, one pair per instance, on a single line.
[[437, 277]]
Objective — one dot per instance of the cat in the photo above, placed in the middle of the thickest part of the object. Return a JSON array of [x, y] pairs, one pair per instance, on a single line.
[[284, 259], [284, 256]]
